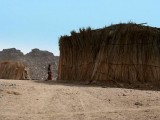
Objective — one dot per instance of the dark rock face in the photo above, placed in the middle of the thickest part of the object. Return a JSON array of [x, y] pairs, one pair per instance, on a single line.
[[11, 54], [37, 61]]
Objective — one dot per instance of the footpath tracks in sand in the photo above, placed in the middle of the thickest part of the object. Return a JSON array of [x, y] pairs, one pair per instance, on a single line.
[[47, 101]]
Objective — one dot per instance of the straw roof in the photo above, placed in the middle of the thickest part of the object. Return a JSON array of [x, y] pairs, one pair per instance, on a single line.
[[121, 53], [12, 70]]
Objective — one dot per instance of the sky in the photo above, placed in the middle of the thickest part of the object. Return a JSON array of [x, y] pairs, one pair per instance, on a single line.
[[28, 24]]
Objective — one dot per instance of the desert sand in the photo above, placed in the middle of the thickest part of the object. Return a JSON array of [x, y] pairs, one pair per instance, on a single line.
[[48, 100]]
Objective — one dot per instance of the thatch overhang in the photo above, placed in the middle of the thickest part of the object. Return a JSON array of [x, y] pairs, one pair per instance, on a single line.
[[12, 70], [121, 53]]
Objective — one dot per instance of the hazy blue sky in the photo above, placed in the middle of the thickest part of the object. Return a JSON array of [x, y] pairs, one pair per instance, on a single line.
[[27, 24]]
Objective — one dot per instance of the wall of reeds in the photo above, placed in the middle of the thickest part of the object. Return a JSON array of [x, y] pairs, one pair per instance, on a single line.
[[121, 53], [12, 70]]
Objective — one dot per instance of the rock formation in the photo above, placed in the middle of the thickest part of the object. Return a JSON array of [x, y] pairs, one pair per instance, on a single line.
[[11, 54], [37, 61]]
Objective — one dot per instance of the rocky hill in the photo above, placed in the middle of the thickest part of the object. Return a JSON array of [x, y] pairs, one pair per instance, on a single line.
[[37, 61]]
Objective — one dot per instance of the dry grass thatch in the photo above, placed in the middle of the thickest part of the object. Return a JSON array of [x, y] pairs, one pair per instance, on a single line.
[[12, 70], [121, 53]]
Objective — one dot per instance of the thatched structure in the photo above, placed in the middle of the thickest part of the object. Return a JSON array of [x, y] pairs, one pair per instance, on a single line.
[[12, 70], [120, 53]]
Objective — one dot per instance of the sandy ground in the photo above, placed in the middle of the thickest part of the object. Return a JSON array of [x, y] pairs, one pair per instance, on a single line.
[[33, 100]]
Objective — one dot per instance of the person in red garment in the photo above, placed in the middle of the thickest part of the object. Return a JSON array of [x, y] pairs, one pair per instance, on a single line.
[[49, 72]]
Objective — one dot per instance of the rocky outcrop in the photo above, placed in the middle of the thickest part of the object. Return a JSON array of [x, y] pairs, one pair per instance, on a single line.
[[37, 61], [11, 54]]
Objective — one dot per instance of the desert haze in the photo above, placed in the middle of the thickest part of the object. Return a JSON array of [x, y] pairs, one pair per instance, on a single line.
[[48, 100]]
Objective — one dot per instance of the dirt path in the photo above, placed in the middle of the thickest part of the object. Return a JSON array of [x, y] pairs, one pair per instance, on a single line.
[[32, 100]]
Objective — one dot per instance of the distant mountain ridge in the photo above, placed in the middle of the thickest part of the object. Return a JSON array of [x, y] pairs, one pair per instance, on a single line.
[[37, 61]]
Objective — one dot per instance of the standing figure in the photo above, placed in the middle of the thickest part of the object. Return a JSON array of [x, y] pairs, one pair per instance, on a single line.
[[49, 72]]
